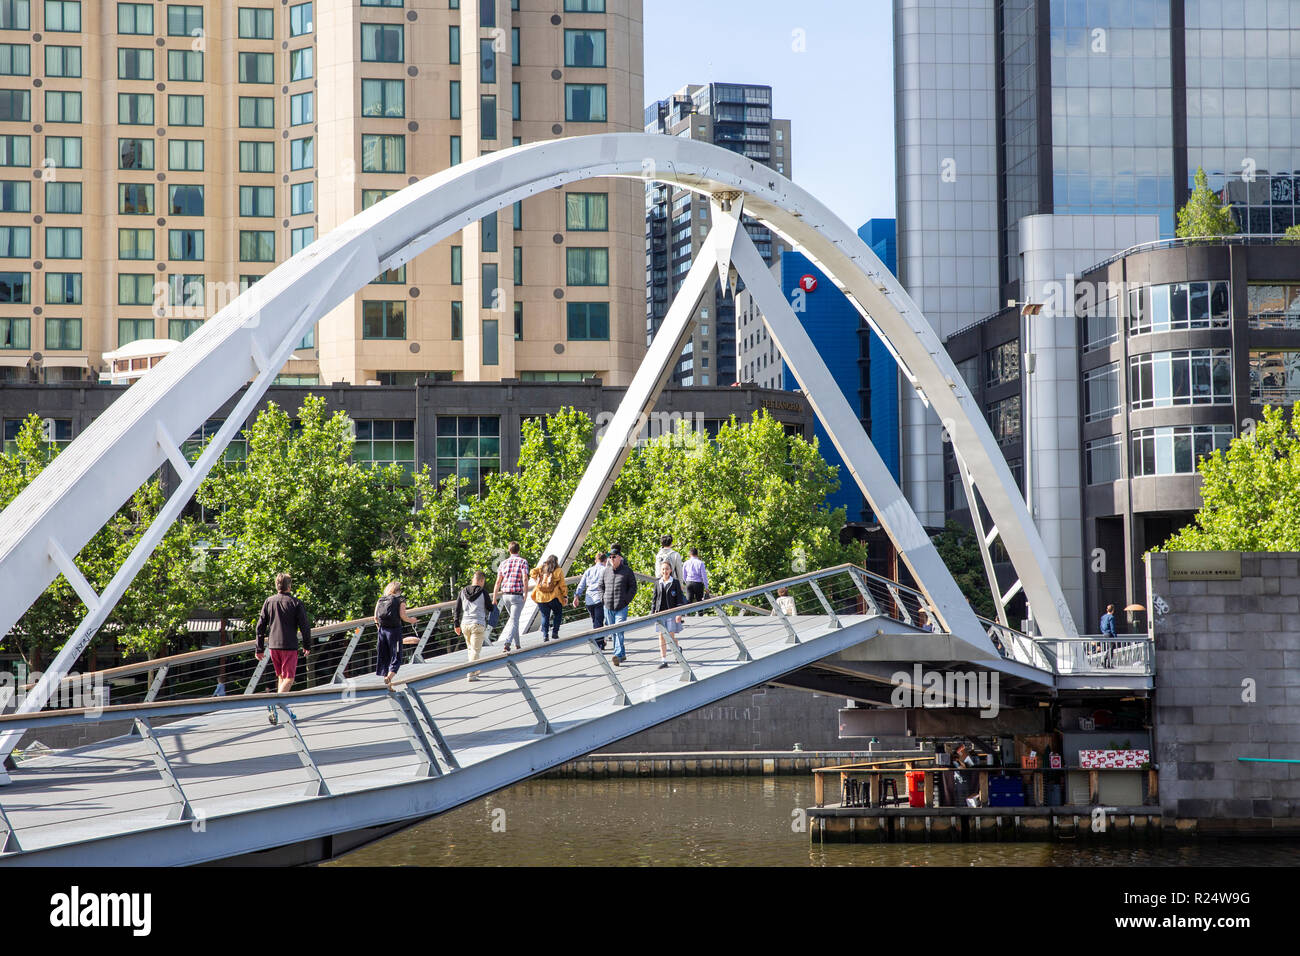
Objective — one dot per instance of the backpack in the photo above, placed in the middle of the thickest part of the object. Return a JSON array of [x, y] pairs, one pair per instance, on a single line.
[[389, 611]]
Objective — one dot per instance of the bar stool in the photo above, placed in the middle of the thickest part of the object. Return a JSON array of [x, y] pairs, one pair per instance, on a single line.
[[888, 791]]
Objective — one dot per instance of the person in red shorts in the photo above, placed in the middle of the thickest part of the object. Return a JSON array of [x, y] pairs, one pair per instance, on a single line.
[[283, 617]]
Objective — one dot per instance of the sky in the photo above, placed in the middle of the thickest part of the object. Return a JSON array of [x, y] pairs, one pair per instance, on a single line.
[[837, 91]]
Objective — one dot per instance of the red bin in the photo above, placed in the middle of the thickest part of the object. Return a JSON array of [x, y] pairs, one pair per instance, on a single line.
[[915, 788]]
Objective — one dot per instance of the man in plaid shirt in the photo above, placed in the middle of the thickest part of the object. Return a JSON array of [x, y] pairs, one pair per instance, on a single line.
[[508, 593]]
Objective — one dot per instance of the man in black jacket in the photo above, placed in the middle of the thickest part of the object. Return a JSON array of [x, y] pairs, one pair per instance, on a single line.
[[283, 617], [619, 585]]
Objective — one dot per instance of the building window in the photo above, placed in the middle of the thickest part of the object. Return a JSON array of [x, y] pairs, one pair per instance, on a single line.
[[1175, 450], [133, 330], [371, 196], [487, 61], [181, 329], [302, 199], [135, 199], [380, 442], [453, 45], [62, 335], [135, 243], [1274, 377], [15, 288], [383, 319], [1100, 324], [588, 321], [1273, 306], [301, 238], [491, 342], [15, 150], [300, 19], [135, 18], [519, 265], [1182, 377], [16, 105], [256, 23], [457, 321], [184, 154], [456, 264], [15, 195], [63, 198], [256, 68], [134, 288], [15, 242], [584, 102], [584, 6], [185, 66], [454, 98], [1004, 419], [491, 291], [63, 288], [15, 333], [185, 291], [518, 215], [388, 97], [514, 45], [1101, 392], [302, 153], [487, 117], [131, 153], [256, 245], [15, 59], [257, 112], [183, 110], [586, 212], [585, 48], [519, 321], [15, 15], [135, 109], [488, 233], [515, 108], [302, 108], [64, 107], [185, 245], [255, 157], [184, 21], [469, 447], [587, 266], [1178, 307], [63, 242], [391, 277], [1002, 363], [135, 64], [382, 43], [383, 153], [62, 16], [185, 200], [301, 63]]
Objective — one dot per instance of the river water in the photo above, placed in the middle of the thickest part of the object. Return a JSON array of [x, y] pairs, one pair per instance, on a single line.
[[725, 821]]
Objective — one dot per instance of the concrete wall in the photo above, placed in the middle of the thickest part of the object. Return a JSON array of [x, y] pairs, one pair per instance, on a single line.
[[1215, 640]]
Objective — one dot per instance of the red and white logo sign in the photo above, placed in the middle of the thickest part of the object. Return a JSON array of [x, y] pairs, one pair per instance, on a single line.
[[808, 283]]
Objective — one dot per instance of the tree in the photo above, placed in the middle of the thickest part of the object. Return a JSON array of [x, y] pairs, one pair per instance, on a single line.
[[960, 551], [1204, 216], [156, 604], [1292, 234], [299, 503], [1250, 493]]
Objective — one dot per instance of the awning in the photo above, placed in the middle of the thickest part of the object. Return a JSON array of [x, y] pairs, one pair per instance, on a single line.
[[14, 361], [66, 361]]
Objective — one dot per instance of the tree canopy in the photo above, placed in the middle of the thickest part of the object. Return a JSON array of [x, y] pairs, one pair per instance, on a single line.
[[1204, 215]]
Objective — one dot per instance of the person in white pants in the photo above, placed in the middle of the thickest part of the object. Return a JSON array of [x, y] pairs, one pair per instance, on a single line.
[[472, 609]]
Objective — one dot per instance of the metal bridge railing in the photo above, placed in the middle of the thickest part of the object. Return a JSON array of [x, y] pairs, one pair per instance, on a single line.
[[1086, 655], [314, 752]]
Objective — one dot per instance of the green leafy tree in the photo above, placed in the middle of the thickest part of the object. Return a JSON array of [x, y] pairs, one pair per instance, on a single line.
[[299, 503], [1292, 234], [155, 606], [1204, 215], [1250, 493], [959, 548]]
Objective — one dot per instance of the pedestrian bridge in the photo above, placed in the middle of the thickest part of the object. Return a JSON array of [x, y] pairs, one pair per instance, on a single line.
[[197, 779]]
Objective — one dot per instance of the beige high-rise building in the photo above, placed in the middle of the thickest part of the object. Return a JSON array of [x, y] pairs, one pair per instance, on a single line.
[[156, 158]]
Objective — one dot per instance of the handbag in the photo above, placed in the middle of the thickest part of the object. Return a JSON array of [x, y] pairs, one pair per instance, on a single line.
[[493, 614]]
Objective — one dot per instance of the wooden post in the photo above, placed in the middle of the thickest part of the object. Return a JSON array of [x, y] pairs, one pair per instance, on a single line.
[[819, 789], [929, 788], [984, 788], [1153, 786], [873, 782], [1094, 787]]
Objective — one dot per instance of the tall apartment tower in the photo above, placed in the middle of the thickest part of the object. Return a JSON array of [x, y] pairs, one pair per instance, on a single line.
[[158, 158], [1036, 138], [737, 117]]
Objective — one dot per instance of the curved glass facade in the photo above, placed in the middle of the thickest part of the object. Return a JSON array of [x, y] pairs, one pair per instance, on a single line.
[[1179, 307], [1180, 377], [1177, 449]]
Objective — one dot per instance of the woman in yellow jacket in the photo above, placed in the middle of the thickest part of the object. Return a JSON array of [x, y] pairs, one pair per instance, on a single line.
[[549, 593]]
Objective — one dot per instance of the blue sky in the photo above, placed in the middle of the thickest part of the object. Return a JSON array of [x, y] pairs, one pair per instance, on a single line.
[[838, 92]]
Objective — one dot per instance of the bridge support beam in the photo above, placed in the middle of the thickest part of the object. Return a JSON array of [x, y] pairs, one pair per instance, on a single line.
[[181, 809]]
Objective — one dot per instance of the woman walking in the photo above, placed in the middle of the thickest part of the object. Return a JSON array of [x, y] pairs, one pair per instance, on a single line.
[[668, 595], [549, 594], [390, 612]]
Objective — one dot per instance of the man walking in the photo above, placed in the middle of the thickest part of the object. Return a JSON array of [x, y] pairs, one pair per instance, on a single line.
[[619, 585], [666, 553], [472, 609], [591, 586], [1109, 637], [508, 591], [283, 618], [695, 577]]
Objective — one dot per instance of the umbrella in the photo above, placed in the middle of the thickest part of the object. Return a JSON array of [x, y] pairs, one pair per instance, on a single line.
[[1135, 607]]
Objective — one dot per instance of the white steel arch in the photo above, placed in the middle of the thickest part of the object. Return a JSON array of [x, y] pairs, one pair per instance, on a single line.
[[255, 335]]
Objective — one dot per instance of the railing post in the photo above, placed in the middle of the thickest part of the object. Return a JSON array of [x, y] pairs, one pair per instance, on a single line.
[[181, 809], [316, 785], [347, 656], [620, 694], [428, 767], [543, 725], [417, 655], [8, 839], [793, 637], [258, 671], [157, 684], [687, 674], [430, 727], [742, 652], [872, 606], [898, 603], [830, 611]]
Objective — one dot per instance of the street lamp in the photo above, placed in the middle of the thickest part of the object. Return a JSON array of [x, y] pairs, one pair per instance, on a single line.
[[1027, 311]]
